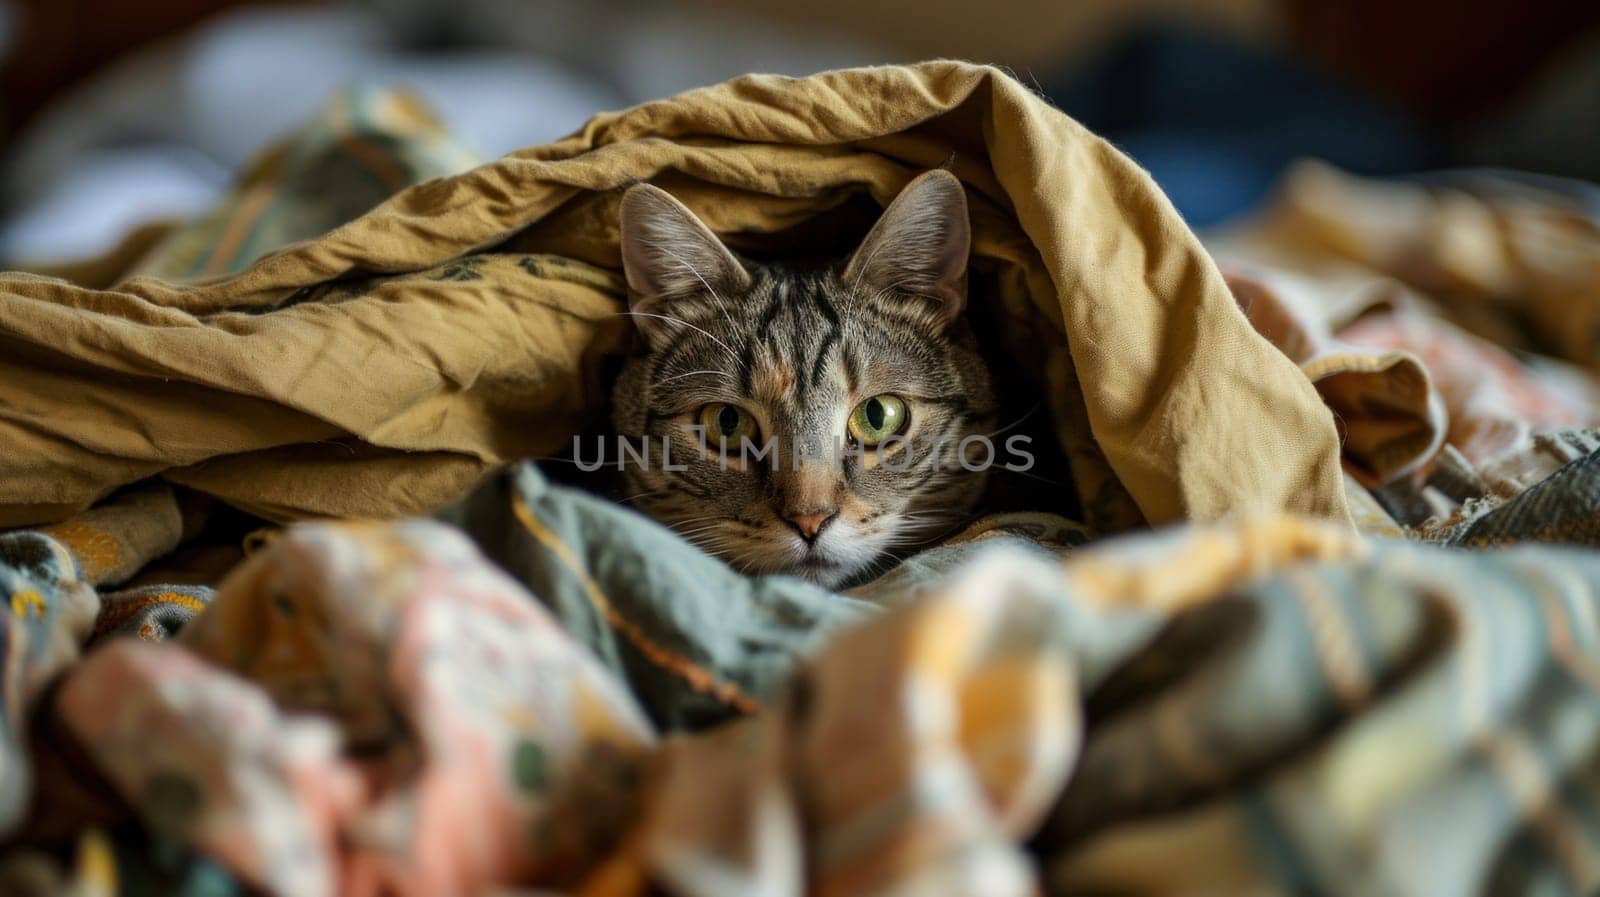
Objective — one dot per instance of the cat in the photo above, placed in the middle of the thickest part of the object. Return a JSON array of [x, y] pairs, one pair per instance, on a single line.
[[860, 376]]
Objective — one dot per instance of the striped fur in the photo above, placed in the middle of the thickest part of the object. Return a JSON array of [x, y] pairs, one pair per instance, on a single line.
[[798, 346]]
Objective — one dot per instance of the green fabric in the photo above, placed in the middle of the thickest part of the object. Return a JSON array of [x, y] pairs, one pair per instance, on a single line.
[[696, 641], [718, 645]]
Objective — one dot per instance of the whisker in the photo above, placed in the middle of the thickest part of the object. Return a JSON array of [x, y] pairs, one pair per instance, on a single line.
[[556, 461], [879, 567], [1034, 476], [703, 282], [704, 530], [676, 320], [686, 520], [723, 374], [642, 495], [1008, 427]]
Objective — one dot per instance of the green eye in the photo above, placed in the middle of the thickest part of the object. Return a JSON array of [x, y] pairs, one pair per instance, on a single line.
[[728, 424], [877, 419]]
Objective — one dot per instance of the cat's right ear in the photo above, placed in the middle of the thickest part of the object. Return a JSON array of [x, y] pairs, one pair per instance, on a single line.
[[668, 254], [919, 245]]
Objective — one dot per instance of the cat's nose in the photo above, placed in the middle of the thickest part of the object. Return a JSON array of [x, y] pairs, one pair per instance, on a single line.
[[811, 525]]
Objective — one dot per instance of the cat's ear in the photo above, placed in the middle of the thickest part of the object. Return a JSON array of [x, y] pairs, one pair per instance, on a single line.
[[668, 253], [920, 245]]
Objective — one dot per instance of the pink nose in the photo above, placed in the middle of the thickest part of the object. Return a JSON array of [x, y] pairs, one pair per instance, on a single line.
[[811, 525]]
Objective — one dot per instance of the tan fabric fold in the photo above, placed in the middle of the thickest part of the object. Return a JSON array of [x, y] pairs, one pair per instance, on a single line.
[[1412, 311], [115, 540], [1391, 417], [394, 394]]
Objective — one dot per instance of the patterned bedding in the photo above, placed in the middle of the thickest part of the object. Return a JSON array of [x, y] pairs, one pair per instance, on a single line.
[[302, 647]]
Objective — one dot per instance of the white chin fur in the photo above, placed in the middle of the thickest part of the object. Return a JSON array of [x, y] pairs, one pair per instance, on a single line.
[[843, 553]]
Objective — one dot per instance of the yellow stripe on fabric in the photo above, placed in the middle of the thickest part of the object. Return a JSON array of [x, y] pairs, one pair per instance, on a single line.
[[699, 678], [95, 866], [921, 806], [118, 613], [1338, 647], [28, 602]]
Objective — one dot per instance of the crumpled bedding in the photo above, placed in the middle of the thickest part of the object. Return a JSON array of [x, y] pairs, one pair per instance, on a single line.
[[381, 368], [1267, 706], [537, 690], [1446, 321]]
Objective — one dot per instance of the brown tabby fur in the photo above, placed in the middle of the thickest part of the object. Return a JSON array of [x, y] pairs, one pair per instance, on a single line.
[[797, 347]]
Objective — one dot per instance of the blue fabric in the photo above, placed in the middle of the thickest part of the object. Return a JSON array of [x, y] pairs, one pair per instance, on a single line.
[[1216, 121]]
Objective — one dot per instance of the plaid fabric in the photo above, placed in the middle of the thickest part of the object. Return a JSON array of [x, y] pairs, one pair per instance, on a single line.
[[1271, 706], [1565, 507], [695, 641], [365, 144], [46, 610], [153, 613], [1420, 721]]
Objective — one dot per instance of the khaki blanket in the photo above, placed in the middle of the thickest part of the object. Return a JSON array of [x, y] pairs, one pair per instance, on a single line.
[[382, 368]]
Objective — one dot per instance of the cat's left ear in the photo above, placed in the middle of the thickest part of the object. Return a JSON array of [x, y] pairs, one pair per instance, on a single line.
[[920, 245]]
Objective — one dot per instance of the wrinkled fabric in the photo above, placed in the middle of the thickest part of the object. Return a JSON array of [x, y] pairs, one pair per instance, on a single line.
[[1510, 475], [539, 691], [1392, 417], [154, 613], [1519, 265], [719, 646], [46, 612], [365, 710], [1564, 507], [1437, 320], [696, 642], [362, 146], [114, 540], [1420, 721], [1269, 706], [1496, 404], [382, 368]]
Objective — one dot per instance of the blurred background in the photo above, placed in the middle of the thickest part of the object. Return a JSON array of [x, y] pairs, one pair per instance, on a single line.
[[116, 113]]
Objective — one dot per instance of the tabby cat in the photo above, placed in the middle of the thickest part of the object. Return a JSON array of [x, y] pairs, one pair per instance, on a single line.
[[859, 377]]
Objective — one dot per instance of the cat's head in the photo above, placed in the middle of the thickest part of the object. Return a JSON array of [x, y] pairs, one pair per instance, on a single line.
[[813, 417]]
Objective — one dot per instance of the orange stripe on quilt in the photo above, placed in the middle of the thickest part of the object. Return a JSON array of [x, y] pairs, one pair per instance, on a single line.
[[1338, 646], [383, 167], [257, 201], [1529, 786], [699, 678], [1559, 623], [120, 612], [97, 551]]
